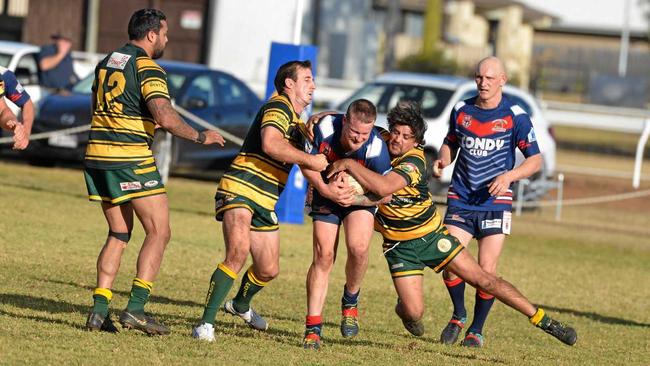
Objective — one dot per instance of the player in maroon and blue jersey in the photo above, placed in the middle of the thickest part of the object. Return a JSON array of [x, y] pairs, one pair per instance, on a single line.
[[484, 133]]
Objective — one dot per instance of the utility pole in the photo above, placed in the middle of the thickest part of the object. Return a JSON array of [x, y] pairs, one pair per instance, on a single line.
[[432, 26], [391, 24], [625, 40]]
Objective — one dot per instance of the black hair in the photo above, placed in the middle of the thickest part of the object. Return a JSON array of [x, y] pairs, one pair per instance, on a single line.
[[408, 113], [289, 71], [143, 21]]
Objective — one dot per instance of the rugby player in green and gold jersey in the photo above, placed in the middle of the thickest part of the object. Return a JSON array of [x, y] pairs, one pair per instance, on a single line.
[[247, 194], [414, 235], [130, 97]]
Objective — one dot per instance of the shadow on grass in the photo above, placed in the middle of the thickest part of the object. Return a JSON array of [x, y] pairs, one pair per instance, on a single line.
[[153, 299], [596, 317], [42, 304], [43, 319], [58, 307], [30, 187]]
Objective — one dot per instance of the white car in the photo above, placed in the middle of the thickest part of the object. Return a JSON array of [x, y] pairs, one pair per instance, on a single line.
[[437, 95], [21, 59]]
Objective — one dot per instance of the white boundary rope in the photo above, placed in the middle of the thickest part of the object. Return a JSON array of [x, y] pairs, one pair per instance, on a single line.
[[182, 111], [45, 135], [438, 199]]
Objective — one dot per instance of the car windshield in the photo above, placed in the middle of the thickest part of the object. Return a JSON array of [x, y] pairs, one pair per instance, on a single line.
[[385, 96], [174, 82], [5, 58]]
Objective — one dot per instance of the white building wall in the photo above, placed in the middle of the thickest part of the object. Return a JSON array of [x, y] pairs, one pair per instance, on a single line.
[[241, 33]]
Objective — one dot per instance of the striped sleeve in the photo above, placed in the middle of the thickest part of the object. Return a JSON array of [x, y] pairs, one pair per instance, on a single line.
[[2, 87], [411, 168], [277, 115], [153, 79]]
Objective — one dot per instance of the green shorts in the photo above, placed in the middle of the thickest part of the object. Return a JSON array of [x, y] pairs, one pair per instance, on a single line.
[[122, 185], [263, 219], [434, 250]]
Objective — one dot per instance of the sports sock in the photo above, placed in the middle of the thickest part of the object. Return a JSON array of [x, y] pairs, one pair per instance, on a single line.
[[349, 299], [140, 291], [250, 285], [220, 284], [101, 298], [313, 324], [540, 319], [456, 288], [482, 307]]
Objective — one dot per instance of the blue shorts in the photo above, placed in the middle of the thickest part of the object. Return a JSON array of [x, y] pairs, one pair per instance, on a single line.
[[335, 214], [479, 223]]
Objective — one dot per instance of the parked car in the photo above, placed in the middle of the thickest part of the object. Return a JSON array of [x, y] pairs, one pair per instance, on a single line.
[[215, 96], [437, 95], [21, 59]]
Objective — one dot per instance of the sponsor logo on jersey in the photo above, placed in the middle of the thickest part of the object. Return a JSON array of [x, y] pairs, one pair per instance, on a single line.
[[408, 167], [499, 125], [507, 222], [130, 186], [397, 265], [118, 60], [467, 121], [327, 150], [274, 218], [444, 245], [491, 224], [480, 146], [19, 88], [531, 136], [151, 183]]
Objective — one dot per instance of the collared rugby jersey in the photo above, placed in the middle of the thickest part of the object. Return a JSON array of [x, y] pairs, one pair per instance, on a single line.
[[486, 140], [373, 154], [411, 213], [122, 127], [254, 174]]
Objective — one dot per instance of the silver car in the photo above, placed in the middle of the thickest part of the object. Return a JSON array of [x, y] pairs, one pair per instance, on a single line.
[[437, 95]]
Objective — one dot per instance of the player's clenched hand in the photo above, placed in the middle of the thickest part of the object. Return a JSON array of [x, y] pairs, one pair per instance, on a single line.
[[340, 191], [316, 162], [213, 137], [500, 184], [313, 121], [438, 166], [20, 136], [337, 166]]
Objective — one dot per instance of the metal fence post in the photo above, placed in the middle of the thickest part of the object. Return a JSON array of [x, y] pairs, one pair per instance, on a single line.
[[638, 160], [560, 193], [521, 185], [162, 151]]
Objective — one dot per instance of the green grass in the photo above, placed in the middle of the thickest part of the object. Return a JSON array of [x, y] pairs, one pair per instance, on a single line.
[[591, 276], [580, 138]]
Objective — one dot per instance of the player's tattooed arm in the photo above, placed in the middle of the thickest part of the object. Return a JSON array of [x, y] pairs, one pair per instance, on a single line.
[[166, 116], [370, 199]]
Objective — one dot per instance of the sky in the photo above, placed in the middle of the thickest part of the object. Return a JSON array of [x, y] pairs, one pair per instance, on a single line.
[[604, 14]]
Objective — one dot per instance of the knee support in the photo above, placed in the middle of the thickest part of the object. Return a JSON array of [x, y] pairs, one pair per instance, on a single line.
[[125, 237]]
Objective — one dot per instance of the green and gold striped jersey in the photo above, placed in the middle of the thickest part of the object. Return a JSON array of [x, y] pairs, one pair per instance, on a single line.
[[255, 175], [122, 126], [411, 213]]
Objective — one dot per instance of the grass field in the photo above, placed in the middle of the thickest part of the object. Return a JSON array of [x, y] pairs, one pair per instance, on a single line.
[[590, 270]]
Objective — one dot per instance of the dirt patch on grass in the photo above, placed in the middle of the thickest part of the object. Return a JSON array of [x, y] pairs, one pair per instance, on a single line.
[[589, 186]]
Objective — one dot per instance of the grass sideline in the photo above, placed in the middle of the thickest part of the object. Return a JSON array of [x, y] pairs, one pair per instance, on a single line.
[[593, 278]]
